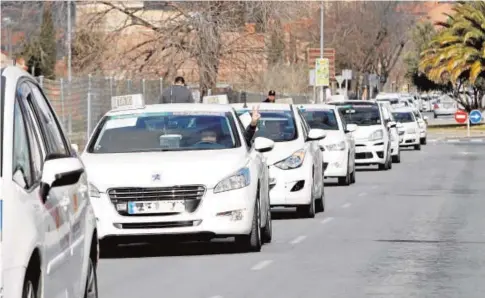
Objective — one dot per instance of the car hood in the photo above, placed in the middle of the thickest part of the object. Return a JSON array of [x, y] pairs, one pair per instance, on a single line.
[[333, 137], [206, 167], [282, 150], [363, 132], [410, 125]]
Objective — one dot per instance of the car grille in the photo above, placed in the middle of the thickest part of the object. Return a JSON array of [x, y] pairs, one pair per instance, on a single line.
[[363, 155], [191, 194]]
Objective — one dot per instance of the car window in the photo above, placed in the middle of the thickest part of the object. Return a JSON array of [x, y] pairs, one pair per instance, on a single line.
[[362, 115], [51, 130], [24, 94], [21, 162], [277, 125], [165, 131], [322, 119], [404, 117]]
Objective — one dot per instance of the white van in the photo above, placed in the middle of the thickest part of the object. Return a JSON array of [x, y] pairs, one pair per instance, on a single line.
[[48, 242]]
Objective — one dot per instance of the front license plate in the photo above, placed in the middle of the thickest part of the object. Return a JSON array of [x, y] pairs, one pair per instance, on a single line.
[[360, 149], [156, 207]]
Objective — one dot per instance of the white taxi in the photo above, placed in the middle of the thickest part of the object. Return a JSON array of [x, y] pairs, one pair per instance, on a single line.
[[339, 144], [396, 134], [296, 164], [423, 126], [412, 134], [48, 242], [182, 170], [372, 137]]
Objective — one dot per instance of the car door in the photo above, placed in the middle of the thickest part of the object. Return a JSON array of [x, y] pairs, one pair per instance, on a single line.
[[28, 157], [349, 139], [314, 150], [73, 200]]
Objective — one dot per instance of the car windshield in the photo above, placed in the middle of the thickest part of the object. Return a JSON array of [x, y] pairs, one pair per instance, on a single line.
[[403, 117], [278, 125], [322, 119], [175, 131], [362, 115], [390, 100]]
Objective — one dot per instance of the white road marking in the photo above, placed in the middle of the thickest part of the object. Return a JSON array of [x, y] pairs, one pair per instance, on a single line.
[[453, 141], [476, 140], [328, 219], [298, 239], [374, 186], [261, 265], [346, 205], [362, 194]]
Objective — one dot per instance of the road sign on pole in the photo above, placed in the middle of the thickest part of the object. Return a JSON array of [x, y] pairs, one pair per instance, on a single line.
[[322, 72], [475, 116], [461, 116]]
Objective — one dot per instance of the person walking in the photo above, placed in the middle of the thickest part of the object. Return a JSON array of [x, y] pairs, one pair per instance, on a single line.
[[271, 96], [177, 93]]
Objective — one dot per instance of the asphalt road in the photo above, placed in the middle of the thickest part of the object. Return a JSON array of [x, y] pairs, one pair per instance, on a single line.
[[415, 231]]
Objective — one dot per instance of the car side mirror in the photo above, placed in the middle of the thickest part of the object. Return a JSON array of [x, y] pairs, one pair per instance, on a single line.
[[263, 144], [59, 172], [316, 134], [351, 128], [426, 118], [391, 124]]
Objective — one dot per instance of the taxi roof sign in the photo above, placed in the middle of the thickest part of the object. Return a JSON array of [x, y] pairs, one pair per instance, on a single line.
[[130, 101], [216, 99], [287, 100]]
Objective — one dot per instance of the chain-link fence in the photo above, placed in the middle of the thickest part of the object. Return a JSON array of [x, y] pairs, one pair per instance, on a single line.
[[82, 102]]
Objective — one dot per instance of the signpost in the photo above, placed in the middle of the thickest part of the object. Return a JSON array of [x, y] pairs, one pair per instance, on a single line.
[[314, 53], [322, 72], [475, 116], [461, 116], [340, 80]]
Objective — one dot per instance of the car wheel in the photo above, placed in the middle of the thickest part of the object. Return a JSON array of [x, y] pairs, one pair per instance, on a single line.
[[91, 289], [435, 116], [385, 166], [307, 211], [345, 180], [423, 141], [268, 228], [252, 242], [397, 158], [417, 147], [352, 177], [30, 288], [107, 247]]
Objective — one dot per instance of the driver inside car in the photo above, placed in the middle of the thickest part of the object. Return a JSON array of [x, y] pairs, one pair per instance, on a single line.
[[208, 136]]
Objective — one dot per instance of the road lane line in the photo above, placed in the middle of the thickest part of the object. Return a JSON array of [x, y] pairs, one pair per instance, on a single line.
[[362, 194], [476, 140], [326, 220], [261, 265], [346, 205], [375, 187], [298, 239]]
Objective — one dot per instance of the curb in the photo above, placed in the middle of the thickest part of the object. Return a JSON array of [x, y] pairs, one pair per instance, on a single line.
[[459, 140]]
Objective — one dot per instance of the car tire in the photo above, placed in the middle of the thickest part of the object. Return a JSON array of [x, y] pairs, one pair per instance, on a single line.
[[435, 116], [253, 241], [423, 141], [307, 211], [267, 233], [91, 288], [345, 180], [32, 284], [387, 165], [352, 177], [417, 147], [107, 247], [397, 158]]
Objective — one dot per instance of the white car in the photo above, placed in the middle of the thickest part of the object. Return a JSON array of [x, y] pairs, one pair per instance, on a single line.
[[372, 137], [445, 105], [423, 126], [394, 131], [412, 134], [182, 170], [48, 242], [295, 163], [338, 145]]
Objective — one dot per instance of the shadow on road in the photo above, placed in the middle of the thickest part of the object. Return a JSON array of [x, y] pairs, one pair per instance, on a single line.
[[283, 214], [171, 249], [367, 169]]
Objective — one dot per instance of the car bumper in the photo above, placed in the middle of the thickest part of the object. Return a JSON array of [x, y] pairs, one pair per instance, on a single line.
[[370, 153], [218, 215], [286, 186], [337, 163], [410, 139]]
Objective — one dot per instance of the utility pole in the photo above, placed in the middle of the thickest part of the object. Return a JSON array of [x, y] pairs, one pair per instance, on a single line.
[[322, 16], [69, 42]]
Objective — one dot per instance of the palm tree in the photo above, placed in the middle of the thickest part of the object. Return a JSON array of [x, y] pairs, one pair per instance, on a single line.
[[457, 52]]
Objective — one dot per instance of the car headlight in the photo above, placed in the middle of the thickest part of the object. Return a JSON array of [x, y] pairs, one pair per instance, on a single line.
[[293, 161], [376, 135], [401, 132], [411, 130], [238, 180], [93, 191], [336, 147]]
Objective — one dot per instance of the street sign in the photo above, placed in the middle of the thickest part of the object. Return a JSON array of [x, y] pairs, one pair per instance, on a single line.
[[340, 80], [322, 72], [314, 53], [475, 116], [461, 116], [347, 74]]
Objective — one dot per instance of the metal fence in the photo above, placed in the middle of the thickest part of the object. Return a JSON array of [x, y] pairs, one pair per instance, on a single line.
[[82, 102]]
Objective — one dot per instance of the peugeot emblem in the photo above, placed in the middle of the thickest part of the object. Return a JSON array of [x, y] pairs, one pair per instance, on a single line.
[[156, 177]]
